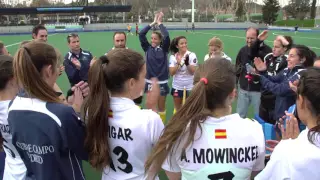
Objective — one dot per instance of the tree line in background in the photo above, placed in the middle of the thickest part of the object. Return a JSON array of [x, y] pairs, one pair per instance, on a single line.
[[209, 10], [296, 9]]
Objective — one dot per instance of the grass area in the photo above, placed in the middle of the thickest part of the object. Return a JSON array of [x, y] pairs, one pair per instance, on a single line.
[[101, 42], [292, 23]]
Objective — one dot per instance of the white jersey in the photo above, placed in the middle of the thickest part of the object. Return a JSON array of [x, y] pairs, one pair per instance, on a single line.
[[133, 132], [183, 78], [14, 166], [294, 160], [228, 148], [223, 56]]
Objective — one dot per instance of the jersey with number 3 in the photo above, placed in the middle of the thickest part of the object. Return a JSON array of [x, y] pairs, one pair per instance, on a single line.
[[14, 166], [132, 134], [229, 148]]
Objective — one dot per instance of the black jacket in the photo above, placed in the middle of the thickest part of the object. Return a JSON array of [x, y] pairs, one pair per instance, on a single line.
[[274, 66], [247, 55]]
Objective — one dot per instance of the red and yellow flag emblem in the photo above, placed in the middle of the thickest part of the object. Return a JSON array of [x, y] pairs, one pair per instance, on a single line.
[[110, 114], [220, 134]]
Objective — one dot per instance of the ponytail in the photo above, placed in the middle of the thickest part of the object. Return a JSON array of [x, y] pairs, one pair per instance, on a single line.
[[184, 123], [214, 81], [97, 107], [173, 46], [27, 66], [290, 41]]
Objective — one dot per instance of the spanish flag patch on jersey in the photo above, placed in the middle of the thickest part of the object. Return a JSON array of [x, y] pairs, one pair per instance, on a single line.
[[220, 134], [110, 114]]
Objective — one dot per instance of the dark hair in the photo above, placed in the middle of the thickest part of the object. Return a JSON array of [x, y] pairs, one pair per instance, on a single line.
[[305, 52], [108, 74], [205, 97], [309, 87], [125, 36], [174, 43], [27, 65], [253, 28], [6, 70], [37, 28], [74, 35], [290, 41]]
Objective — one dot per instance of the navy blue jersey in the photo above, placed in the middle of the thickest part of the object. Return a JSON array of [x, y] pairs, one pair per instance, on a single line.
[[76, 75], [49, 137], [157, 57], [279, 86]]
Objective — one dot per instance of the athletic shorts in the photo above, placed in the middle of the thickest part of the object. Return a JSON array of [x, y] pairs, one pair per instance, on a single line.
[[129, 31], [164, 88], [178, 93]]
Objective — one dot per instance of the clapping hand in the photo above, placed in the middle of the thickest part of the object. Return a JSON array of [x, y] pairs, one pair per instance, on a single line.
[[76, 62], [83, 86], [259, 64], [160, 16], [292, 130], [294, 85], [77, 99], [186, 60]]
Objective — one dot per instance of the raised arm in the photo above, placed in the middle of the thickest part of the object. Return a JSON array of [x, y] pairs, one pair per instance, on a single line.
[[143, 33], [259, 48], [165, 33], [143, 39]]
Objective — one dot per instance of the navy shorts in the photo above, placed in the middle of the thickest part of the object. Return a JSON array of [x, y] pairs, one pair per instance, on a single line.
[[178, 93], [164, 88]]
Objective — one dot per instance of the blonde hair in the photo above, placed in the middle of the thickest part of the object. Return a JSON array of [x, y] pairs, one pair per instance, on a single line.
[[215, 41]]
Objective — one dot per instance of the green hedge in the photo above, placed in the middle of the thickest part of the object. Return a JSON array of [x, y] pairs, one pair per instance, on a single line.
[[301, 23]]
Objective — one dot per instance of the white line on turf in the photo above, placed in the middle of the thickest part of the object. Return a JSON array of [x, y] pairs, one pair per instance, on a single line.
[[241, 37], [29, 40]]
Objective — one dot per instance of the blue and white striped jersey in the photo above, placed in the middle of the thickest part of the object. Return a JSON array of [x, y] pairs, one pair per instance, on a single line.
[[49, 138]]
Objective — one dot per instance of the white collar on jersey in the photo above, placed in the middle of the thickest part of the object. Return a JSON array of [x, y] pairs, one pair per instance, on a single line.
[[120, 100], [187, 52]]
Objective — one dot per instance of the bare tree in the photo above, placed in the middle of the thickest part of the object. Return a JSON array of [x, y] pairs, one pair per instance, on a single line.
[[152, 6]]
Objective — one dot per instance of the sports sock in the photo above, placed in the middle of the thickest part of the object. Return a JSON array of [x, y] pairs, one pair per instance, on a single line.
[[163, 116]]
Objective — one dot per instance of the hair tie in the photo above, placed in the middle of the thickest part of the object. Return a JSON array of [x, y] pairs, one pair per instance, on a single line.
[[104, 59], [205, 80]]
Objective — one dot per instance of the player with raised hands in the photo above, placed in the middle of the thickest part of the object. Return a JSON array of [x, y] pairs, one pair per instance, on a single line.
[[157, 60], [297, 156], [120, 135], [14, 166], [182, 66], [275, 61], [203, 140], [47, 133]]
